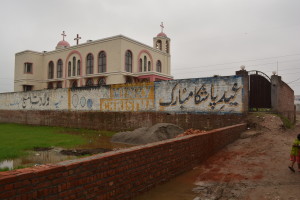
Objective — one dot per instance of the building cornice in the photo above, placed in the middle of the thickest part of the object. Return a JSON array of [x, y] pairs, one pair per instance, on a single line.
[[29, 52], [94, 42]]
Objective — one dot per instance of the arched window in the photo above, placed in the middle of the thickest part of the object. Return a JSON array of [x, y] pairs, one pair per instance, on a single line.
[[89, 82], [78, 68], [101, 81], [59, 68], [69, 68], [158, 66], [159, 45], [89, 63], [167, 46], [141, 65], [51, 70], [145, 63], [59, 84], [129, 79], [128, 61], [74, 67], [149, 66], [102, 62], [74, 84], [50, 85]]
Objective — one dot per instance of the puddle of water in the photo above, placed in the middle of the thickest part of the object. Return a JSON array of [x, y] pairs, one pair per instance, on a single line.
[[35, 158], [178, 188], [54, 155]]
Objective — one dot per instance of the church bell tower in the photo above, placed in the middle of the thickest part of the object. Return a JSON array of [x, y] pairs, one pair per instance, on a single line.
[[161, 41]]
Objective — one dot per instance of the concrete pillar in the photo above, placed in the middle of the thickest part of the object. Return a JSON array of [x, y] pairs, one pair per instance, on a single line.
[[244, 73], [275, 92]]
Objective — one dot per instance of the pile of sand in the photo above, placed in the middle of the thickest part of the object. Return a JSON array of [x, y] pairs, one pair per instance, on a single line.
[[145, 135]]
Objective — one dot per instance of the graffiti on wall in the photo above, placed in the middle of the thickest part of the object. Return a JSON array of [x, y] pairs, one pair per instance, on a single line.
[[34, 100], [200, 95], [129, 97], [203, 95], [88, 99]]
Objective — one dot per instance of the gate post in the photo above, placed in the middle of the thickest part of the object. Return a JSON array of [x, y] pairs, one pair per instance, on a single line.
[[282, 98], [245, 98], [275, 91]]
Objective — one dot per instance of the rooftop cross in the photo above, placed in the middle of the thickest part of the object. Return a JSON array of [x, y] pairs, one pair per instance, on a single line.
[[64, 35], [162, 27], [77, 39]]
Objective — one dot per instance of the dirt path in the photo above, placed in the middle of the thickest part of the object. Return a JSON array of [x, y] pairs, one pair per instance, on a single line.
[[254, 167]]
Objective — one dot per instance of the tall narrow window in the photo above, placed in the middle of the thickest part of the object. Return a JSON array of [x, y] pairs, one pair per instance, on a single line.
[[69, 68], [89, 64], [78, 68], [158, 44], [167, 46], [158, 66], [28, 68], [145, 63], [74, 67], [102, 62], [141, 65], [51, 70], [59, 68], [149, 66], [128, 61]]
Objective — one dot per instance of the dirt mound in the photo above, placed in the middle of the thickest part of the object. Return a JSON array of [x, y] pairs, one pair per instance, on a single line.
[[191, 132], [158, 132], [264, 121]]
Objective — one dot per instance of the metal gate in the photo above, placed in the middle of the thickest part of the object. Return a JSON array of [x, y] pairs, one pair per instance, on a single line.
[[260, 91]]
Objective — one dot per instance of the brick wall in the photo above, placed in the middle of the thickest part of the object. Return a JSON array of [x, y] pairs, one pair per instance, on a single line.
[[115, 175], [118, 121], [282, 97]]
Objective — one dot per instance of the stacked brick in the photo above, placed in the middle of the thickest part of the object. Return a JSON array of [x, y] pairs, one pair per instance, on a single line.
[[115, 175], [191, 132]]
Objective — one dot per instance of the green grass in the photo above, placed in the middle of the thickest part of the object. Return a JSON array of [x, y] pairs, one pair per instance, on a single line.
[[286, 122], [16, 139]]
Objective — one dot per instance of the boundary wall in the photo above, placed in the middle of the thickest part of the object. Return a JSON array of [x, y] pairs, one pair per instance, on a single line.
[[116, 175], [282, 98], [118, 121], [219, 95]]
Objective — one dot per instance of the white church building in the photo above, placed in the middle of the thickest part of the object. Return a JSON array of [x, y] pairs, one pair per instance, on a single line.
[[113, 60]]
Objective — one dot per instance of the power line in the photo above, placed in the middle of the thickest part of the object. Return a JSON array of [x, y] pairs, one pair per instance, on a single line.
[[241, 61], [294, 81], [188, 72]]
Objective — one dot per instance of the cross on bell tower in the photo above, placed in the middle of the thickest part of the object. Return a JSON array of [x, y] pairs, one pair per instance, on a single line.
[[161, 41], [162, 27]]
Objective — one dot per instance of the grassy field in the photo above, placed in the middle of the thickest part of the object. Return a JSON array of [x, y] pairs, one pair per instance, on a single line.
[[15, 139]]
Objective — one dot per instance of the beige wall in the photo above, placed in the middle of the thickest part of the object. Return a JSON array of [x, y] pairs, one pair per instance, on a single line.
[[35, 78], [114, 47], [139, 51]]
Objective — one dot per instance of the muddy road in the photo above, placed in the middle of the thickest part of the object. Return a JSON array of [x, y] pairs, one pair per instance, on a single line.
[[253, 167]]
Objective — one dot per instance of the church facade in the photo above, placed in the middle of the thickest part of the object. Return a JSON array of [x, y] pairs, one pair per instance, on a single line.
[[113, 60]]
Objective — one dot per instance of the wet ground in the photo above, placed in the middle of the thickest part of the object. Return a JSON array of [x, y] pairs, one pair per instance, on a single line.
[[253, 167], [96, 144]]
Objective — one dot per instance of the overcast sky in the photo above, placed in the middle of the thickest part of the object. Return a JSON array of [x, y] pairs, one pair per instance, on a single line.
[[208, 37]]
